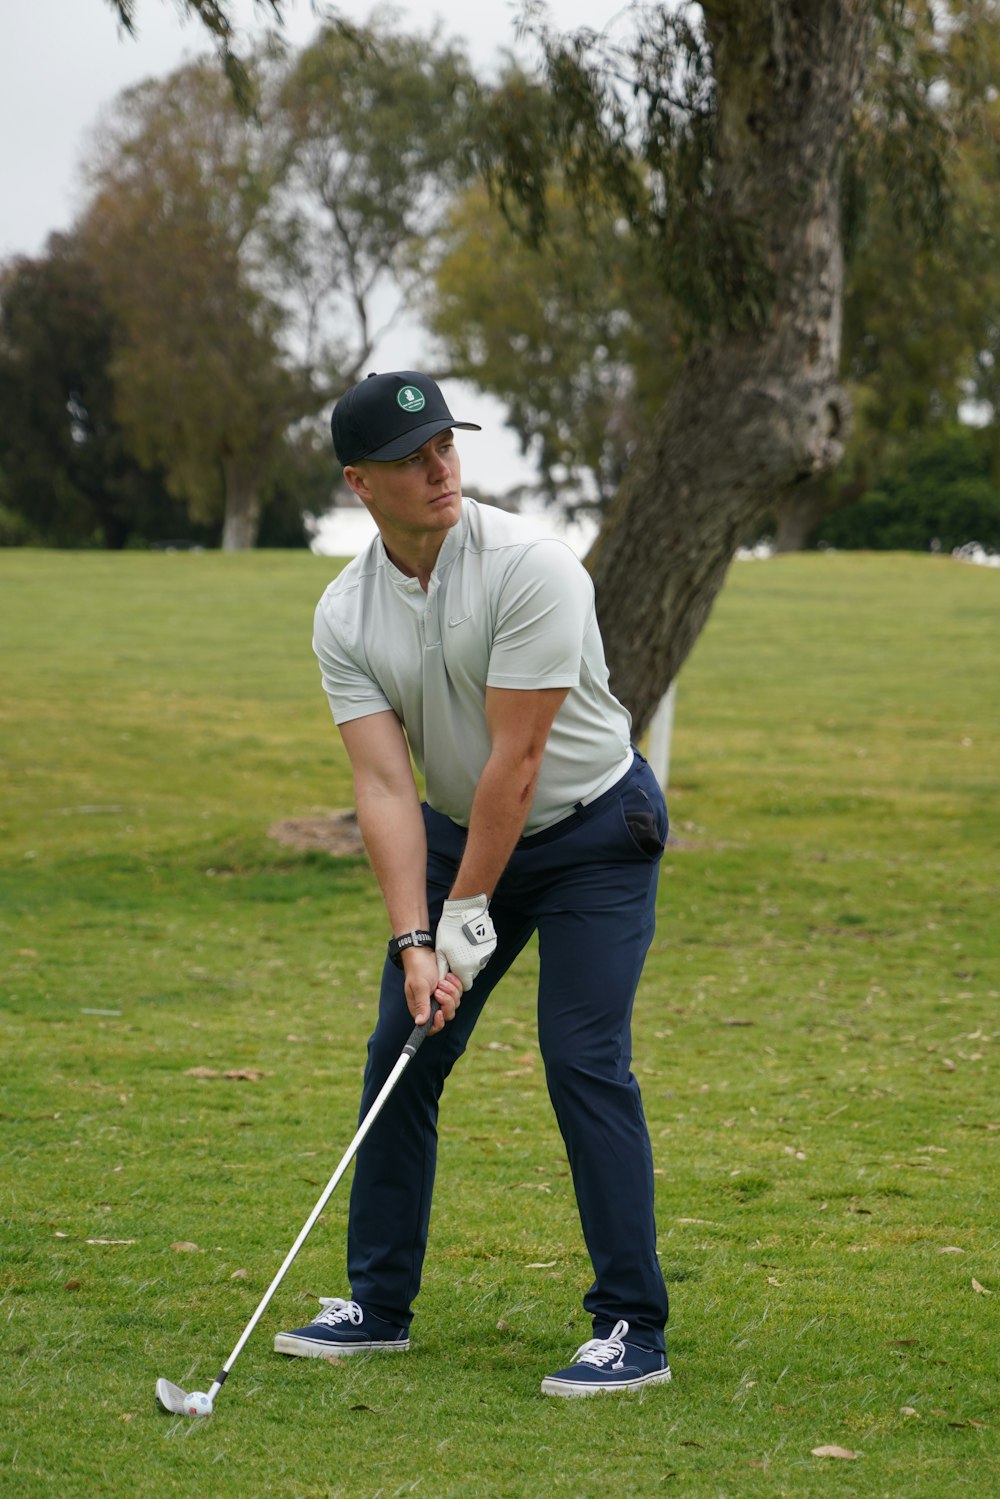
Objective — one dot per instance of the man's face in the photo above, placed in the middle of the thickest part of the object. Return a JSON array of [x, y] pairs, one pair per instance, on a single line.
[[415, 496]]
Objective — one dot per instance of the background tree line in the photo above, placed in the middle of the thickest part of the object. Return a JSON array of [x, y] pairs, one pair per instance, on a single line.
[[590, 243]]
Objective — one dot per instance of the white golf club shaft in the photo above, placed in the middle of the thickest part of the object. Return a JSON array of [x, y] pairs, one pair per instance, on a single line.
[[408, 1052]]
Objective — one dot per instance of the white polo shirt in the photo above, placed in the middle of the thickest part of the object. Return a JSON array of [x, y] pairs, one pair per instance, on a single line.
[[503, 609]]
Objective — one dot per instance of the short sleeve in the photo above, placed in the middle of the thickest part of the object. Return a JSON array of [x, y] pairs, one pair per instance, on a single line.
[[350, 687], [543, 609]]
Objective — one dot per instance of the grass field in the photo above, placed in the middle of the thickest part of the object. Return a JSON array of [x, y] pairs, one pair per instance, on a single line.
[[815, 1038]]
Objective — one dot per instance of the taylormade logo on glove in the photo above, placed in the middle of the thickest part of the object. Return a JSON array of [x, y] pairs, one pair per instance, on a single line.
[[465, 937]]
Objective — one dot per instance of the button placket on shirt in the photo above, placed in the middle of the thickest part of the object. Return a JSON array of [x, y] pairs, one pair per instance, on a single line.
[[431, 616]]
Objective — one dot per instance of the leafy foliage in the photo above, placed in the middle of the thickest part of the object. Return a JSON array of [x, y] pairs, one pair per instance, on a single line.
[[67, 475], [630, 125], [938, 494], [216, 17], [241, 258], [182, 190], [628, 133], [373, 127], [570, 334]]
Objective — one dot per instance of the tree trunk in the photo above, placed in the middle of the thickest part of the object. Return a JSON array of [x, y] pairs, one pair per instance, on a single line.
[[243, 507], [753, 414], [798, 514]]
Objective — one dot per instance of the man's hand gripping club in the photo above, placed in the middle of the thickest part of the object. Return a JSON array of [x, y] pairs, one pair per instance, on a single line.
[[464, 943], [426, 979]]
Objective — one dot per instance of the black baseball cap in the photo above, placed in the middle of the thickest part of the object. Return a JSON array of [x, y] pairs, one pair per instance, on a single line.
[[390, 416]]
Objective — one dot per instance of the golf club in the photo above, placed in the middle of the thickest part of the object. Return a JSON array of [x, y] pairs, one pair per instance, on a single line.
[[174, 1400]]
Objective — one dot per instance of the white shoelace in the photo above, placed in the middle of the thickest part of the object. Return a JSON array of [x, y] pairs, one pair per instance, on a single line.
[[336, 1309], [601, 1351]]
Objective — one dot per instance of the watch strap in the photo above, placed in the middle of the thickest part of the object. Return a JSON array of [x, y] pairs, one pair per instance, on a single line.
[[399, 944]]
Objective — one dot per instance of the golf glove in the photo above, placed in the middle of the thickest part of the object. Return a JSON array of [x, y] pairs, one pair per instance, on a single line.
[[465, 937]]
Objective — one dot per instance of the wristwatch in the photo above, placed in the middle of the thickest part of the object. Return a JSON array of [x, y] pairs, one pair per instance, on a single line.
[[398, 945]]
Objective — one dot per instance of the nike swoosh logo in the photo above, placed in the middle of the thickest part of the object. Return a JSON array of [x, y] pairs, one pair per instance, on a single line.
[[460, 621]]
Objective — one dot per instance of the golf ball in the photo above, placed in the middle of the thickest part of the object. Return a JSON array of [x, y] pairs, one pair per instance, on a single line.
[[198, 1404]]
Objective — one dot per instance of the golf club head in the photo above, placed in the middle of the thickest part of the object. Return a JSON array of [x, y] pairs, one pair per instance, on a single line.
[[170, 1398]]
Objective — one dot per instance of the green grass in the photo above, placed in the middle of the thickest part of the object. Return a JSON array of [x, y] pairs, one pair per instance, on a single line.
[[815, 1038]]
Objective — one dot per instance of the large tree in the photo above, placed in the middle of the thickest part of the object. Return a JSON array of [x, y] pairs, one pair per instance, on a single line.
[[758, 407], [176, 231], [923, 275], [582, 338], [242, 258], [720, 131]]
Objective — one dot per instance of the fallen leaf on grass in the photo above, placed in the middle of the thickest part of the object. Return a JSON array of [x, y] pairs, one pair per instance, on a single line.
[[951, 1249], [693, 1444], [72, 1285], [834, 1452], [184, 1246], [240, 1275], [370, 1408], [541, 1265], [127, 1416], [908, 1410], [331, 1358], [980, 1290], [109, 1241], [773, 1281], [233, 1075], [947, 1064]]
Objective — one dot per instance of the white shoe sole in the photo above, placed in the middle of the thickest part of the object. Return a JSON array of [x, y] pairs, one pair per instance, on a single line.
[[306, 1348], [566, 1388]]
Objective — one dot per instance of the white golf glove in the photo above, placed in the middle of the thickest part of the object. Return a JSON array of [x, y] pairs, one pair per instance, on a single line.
[[465, 937]]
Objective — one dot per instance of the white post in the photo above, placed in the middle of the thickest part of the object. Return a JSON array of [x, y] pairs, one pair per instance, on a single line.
[[661, 729]]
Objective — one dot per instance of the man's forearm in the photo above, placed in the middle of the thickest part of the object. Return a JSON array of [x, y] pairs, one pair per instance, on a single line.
[[392, 827], [500, 810]]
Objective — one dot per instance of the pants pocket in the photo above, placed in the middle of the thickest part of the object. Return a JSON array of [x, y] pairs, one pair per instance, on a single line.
[[645, 820]]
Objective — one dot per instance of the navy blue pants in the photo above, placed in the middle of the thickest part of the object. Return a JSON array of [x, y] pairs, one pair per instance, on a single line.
[[588, 887]]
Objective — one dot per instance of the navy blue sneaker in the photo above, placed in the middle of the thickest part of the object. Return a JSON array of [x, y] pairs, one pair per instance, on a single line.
[[342, 1327], [608, 1366]]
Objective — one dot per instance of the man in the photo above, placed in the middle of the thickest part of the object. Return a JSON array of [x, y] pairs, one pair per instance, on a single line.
[[461, 639]]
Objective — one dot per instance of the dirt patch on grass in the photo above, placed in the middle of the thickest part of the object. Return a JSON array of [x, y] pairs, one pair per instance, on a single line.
[[335, 833]]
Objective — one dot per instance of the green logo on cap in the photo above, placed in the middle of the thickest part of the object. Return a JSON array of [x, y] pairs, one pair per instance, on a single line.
[[411, 399]]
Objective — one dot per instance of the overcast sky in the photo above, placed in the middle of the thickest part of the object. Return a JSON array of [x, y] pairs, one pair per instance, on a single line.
[[62, 60]]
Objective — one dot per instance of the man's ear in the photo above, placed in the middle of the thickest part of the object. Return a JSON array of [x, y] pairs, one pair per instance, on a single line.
[[356, 481]]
